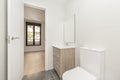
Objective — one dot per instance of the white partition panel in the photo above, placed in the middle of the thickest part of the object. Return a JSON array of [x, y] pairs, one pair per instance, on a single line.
[[92, 60]]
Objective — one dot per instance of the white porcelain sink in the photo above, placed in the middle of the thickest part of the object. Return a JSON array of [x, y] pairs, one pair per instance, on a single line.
[[63, 46]]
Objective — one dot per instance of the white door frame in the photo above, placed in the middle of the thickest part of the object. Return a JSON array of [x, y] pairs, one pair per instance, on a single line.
[[41, 8]]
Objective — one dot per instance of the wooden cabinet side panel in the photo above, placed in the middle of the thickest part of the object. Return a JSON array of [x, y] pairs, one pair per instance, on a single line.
[[63, 61], [56, 60]]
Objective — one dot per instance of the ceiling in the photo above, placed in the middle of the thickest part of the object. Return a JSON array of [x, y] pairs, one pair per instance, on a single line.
[[59, 1]]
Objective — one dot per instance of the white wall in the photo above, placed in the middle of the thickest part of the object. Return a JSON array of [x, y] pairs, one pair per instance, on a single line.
[[37, 16], [54, 19], [2, 40], [98, 26]]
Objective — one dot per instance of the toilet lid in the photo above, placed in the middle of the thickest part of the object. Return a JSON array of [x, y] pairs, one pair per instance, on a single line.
[[78, 74]]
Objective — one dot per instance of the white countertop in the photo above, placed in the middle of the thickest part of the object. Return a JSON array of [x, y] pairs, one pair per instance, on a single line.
[[63, 46]]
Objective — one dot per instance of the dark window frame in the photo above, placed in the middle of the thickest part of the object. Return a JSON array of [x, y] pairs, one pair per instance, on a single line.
[[34, 24]]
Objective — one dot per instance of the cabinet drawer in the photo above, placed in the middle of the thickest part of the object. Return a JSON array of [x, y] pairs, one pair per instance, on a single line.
[[56, 56], [56, 51], [56, 60]]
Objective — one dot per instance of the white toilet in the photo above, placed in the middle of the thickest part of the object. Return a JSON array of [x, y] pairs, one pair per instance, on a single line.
[[78, 73], [91, 66]]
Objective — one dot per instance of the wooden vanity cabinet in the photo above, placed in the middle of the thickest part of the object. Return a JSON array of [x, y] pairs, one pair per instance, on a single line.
[[63, 59]]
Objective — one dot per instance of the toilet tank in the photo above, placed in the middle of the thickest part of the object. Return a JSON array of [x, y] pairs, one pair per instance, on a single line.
[[93, 60]]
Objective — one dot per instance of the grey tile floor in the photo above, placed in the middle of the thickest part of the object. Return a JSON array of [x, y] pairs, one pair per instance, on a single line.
[[48, 75]]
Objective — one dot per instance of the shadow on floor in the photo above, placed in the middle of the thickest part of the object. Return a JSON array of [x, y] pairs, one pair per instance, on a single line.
[[48, 75]]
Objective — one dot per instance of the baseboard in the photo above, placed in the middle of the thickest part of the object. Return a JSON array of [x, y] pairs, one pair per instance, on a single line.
[[48, 67], [22, 77], [35, 51]]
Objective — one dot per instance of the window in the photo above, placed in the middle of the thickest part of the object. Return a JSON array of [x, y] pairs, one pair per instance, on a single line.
[[33, 34]]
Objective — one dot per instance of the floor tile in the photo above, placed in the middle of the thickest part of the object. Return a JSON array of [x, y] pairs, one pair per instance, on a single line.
[[48, 75]]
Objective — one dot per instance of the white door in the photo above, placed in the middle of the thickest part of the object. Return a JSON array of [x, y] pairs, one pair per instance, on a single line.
[[16, 39], [2, 39]]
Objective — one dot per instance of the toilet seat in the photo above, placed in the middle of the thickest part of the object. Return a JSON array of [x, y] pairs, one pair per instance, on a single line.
[[78, 73]]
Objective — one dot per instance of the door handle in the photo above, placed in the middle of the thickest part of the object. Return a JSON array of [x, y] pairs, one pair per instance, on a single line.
[[14, 38]]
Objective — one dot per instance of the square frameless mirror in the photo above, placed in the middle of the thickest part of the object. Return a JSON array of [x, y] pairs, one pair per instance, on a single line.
[[69, 30]]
